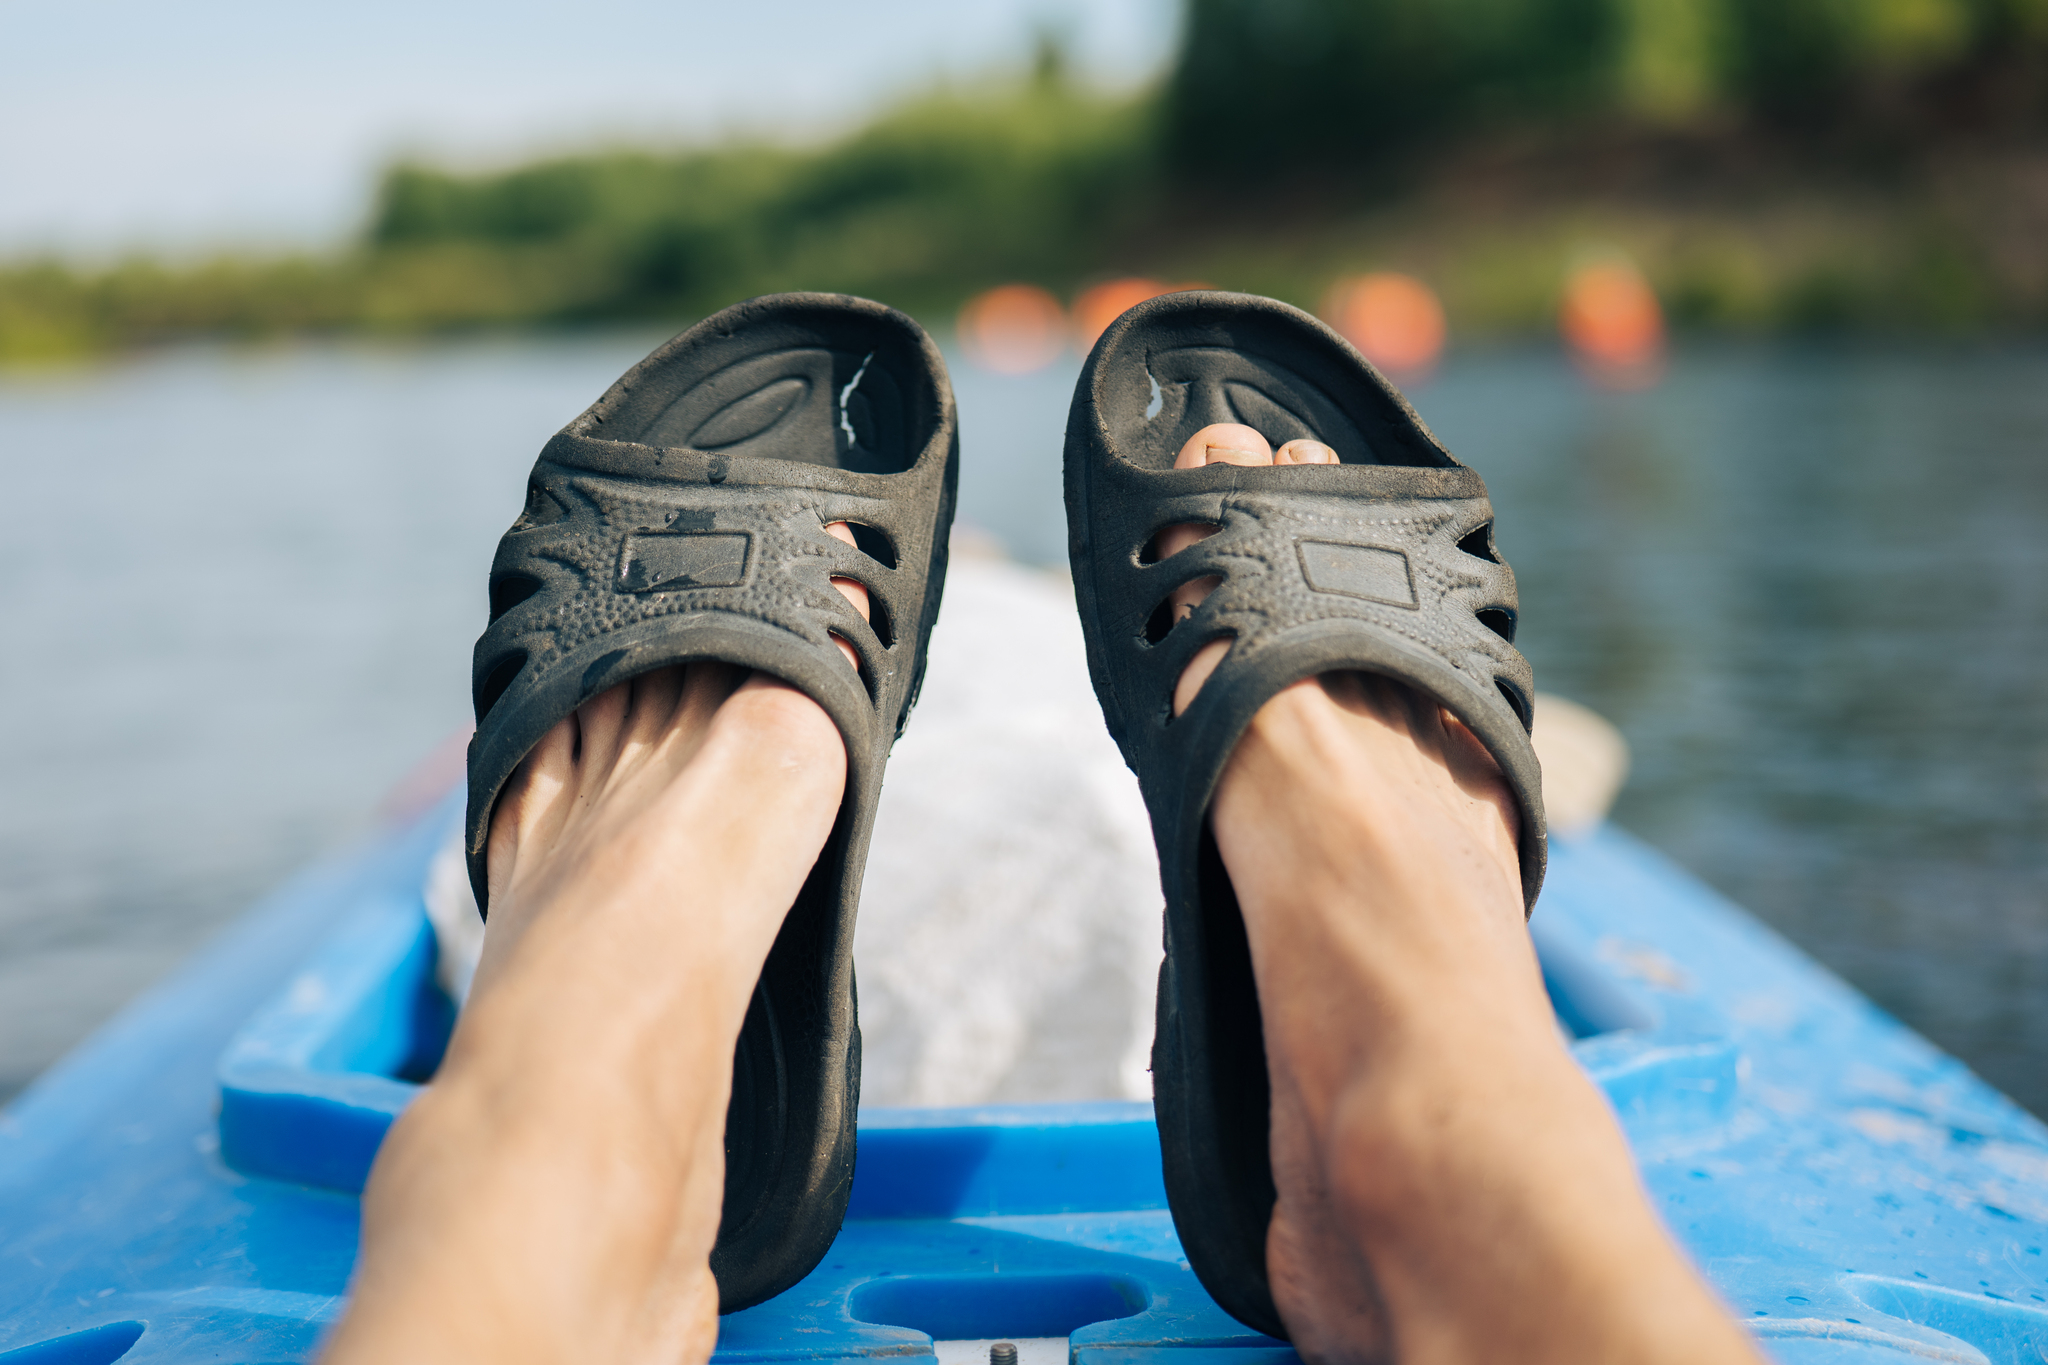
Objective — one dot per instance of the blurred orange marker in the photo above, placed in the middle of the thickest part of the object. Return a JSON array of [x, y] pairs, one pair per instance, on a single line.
[[1013, 329], [1611, 320], [1102, 304], [1395, 319]]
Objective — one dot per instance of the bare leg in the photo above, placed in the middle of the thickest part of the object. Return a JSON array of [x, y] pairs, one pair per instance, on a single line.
[[1452, 1187], [554, 1194]]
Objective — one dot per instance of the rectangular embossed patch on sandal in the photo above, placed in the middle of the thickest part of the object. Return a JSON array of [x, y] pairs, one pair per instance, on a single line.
[[660, 562], [1358, 571]]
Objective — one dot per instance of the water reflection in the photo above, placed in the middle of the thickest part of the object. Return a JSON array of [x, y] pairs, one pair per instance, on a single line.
[[1808, 583]]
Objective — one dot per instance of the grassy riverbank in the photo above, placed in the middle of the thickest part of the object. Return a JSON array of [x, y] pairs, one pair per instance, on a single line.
[[1783, 165], [938, 197]]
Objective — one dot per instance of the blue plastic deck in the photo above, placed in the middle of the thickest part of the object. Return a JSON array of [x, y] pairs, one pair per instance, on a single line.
[[181, 1187]]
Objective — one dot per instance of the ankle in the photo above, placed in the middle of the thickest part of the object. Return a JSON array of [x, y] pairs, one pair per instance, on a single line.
[[516, 1242], [1512, 1212]]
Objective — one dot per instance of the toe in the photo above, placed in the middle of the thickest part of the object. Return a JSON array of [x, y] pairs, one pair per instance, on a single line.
[[1304, 451], [651, 707], [531, 805], [601, 726], [854, 591], [1197, 672], [1224, 443], [1220, 443], [706, 685]]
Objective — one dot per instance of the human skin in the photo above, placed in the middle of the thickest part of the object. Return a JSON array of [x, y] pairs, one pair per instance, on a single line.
[[554, 1194], [1451, 1187]]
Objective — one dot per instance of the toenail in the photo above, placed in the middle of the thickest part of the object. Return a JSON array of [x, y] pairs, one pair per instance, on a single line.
[[1233, 455], [1305, 452]]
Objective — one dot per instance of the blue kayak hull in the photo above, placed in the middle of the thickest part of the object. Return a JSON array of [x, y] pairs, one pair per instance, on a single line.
[[182, 1187]]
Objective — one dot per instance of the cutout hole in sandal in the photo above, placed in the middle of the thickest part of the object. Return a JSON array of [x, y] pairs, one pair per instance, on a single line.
[[496, 681], [1154, 549], [1499, 620], [860, 668], [1226, 637], [1478, 542], [1517, 703], [508, 590], [1166, 543], [1170, 613], [1159, 622], [874, 543], [878, 619]]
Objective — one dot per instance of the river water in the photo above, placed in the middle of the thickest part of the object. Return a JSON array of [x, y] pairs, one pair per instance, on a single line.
[[1809, 582]]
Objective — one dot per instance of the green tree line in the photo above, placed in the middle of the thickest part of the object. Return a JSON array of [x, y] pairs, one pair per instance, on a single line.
[[1290, 141], [1323, 80]]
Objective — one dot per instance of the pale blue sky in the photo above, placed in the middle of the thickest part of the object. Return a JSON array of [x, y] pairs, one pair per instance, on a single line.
[[180, 126]]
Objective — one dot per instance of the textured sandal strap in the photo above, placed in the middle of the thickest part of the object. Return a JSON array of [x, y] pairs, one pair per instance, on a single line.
[[1315, 582], [631, 556], [1384, 568]]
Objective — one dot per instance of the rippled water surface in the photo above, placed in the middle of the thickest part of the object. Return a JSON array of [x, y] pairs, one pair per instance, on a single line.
[[1809, 582]]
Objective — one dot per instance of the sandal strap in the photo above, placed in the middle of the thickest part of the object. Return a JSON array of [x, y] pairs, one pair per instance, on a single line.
[[629, 557], [1321, 568], [1383, 563], [1384, 568], [667, 549]]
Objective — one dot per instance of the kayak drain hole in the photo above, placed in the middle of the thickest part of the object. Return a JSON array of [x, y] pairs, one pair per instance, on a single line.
[[952, 1307], [101, 1345]]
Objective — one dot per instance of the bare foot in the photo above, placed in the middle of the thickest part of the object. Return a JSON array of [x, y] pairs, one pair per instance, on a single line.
[[1451, 1187], [1353, 791], [1321, 1283], [555, 1193], [571, 815]]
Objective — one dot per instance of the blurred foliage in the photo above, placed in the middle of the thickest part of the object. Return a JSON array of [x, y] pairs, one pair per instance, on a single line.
[[1770, 163], [938, 195], [1262, 85], [947, 189], [1267, 85]]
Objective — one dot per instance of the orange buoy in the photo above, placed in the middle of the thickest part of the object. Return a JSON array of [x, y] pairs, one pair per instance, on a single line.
[[1101, 304], [1394, 319], [1013, 329], [1611, 320]]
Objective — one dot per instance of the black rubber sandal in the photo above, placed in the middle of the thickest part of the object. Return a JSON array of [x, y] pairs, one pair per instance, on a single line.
[[1383, 563], [682, 517]]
